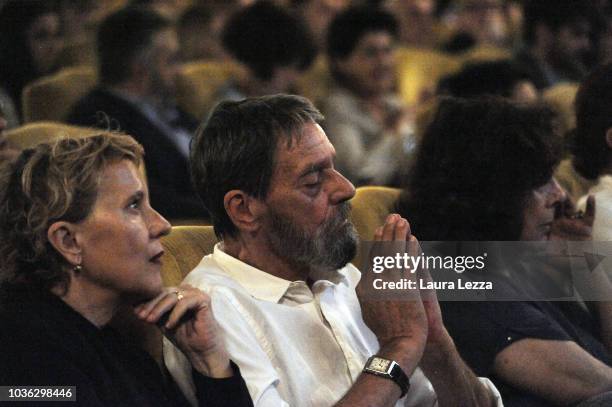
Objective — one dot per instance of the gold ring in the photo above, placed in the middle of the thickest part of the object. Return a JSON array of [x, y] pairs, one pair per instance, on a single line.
[[179, 295]]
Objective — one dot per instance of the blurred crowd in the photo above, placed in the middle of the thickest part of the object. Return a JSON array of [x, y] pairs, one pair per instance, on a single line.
[[376, 69]]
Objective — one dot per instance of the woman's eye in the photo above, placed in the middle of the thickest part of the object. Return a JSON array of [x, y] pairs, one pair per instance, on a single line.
[[135, 204]]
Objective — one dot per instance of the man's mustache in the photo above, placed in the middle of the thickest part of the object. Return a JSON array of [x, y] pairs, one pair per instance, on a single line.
[[339, 219]]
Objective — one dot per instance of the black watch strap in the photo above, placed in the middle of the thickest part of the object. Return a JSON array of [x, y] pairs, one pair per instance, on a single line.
[[389, 369]]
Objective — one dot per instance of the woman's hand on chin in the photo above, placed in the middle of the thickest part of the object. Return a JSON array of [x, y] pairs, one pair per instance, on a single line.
[[184, 315]]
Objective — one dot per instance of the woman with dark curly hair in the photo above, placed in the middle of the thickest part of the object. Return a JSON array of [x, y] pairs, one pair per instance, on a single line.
[[484, 173], [480, 158], [79, 242], [592, 144]]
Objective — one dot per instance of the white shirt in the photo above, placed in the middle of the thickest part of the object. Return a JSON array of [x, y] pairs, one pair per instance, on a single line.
[[602, 227], [294, 346]]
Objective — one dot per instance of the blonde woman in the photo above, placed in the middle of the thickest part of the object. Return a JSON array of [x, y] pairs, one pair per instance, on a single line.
[[78, 242]]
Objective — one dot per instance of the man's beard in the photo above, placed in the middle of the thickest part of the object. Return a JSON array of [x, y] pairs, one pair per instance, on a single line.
[[331, 247]]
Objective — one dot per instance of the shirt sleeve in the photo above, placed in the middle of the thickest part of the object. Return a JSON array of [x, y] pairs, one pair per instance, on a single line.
[[245, 350], [483, 329]]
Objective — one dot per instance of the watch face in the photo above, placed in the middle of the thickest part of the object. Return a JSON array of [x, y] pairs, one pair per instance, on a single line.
[[380, 364]]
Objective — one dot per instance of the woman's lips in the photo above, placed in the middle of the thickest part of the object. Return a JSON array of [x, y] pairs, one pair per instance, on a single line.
[[157, 258]]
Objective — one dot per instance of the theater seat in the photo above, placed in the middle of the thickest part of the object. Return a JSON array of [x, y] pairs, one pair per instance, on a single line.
[[370, 207], [198, 81], [419, 71], [561, 98], [485, 53], [51, 97], [185, 246], [31, 134]]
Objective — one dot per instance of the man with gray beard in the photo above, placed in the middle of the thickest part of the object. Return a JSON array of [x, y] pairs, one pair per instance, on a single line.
[[281, 285]]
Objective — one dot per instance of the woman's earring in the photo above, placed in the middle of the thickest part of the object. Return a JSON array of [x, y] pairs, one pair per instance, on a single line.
[[77, 269]]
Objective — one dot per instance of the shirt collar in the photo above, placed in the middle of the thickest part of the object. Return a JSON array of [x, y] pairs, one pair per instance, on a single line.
[[259, 284]]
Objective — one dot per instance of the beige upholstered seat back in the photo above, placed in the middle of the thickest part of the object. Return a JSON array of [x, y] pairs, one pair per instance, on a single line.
[[185, 246], [419, 71], [198, 82], [561, 98], [32, 134], [51, 97], [370, 207], [29, 135]]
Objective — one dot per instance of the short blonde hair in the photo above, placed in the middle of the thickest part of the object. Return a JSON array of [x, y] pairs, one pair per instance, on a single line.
[[45, 184]]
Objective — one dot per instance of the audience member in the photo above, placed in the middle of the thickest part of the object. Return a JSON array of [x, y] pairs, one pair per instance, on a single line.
[[30, 43], [513, 10], [367, 123], [592, 144], [79, 241], [78, 19], [484, 173], [603, 50], [274, 47], [556, 41], [477, 23], [280, 283], [137, 56], [418, 25], [199, 30], [495, 78], [317, 14]]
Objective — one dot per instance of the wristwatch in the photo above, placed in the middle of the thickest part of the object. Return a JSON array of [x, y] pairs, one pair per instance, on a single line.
[[382, 367]]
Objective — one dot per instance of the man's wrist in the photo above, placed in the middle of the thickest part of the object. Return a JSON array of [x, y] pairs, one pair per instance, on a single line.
[[388, 369], [441, 351], [405, 351]]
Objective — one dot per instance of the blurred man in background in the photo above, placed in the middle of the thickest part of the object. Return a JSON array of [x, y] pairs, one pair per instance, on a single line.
[[138, 64]]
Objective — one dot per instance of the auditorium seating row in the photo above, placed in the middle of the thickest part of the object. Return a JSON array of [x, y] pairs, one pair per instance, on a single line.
[[418, 73]]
